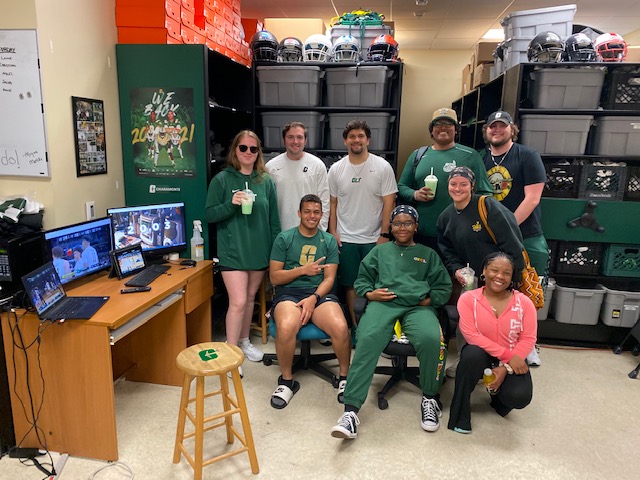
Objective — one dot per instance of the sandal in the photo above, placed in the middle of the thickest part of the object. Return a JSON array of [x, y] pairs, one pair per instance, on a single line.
[[283, 395]]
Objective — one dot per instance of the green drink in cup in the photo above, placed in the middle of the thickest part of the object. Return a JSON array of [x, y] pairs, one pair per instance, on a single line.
[[247, 202], [431, 181]]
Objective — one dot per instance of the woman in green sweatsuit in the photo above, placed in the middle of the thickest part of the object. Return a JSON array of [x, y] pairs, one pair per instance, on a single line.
[[407, 281]]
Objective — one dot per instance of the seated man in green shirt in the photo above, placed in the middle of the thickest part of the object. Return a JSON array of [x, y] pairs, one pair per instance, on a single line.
[[401, 280], [303, 266]]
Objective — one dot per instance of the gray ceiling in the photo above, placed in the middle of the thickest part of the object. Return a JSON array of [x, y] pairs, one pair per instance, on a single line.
[[448, 24]]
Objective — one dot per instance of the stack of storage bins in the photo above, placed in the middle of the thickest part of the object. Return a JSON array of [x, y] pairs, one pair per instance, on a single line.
[[362, 87]]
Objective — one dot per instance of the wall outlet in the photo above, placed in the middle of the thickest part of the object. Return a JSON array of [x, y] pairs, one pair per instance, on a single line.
[[90, 208]]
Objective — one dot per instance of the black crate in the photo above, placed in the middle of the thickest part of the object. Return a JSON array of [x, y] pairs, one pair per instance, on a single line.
[[632, 192], [602, 182], [563, 180], [583, 258], [623, 92]]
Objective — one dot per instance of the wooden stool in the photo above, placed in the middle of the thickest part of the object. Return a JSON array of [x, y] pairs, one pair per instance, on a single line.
[[200, 361], [261, 302]]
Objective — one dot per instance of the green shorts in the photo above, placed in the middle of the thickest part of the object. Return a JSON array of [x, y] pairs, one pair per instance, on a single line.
[[351, 254], [538, 253]]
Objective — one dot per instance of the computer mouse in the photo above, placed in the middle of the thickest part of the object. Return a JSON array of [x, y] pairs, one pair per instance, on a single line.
[[188, 263]]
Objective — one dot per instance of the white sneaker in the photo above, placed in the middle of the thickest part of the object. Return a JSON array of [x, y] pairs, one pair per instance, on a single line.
[[450, 371], [347, 426], [250, 351], [430, 413], [533, 359], [239, 371]]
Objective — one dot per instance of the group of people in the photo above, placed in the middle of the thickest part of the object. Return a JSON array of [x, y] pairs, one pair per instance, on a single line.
[[401, 259]]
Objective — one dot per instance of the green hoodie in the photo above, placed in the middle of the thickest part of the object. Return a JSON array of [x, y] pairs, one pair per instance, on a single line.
[[244, 241]]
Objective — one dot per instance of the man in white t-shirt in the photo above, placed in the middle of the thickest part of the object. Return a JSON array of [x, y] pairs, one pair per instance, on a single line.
[[297, 173], [362, 189]]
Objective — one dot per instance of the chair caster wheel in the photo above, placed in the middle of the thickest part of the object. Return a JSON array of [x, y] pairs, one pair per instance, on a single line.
[[267, 361], [383, 404], [617, 350], [636, 350], [633, 374]]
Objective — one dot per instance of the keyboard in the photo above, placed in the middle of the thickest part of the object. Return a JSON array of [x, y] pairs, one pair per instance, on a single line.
[[148, 275]]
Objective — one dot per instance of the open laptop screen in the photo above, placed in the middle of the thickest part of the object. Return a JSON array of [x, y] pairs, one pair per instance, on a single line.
[[43, 287]]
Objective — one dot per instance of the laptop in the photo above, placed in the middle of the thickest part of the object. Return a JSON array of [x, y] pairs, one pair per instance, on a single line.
[[50, 300]]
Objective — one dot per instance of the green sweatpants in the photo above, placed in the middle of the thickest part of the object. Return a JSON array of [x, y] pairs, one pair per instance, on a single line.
[[538, 251], [375, 329]]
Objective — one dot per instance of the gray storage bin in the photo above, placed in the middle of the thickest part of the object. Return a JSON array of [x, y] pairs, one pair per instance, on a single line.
[[617, 136], [515, 51], [379, 124], [620, 308], [272, 123], [529, 23], [364, 37], [577, 305], [556, 134], [567, 87], [362, 86], [543, 313], [289, 86]]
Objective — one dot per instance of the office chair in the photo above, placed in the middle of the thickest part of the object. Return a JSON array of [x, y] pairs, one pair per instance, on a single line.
[[634, 332], [306, 360], [399, 353]]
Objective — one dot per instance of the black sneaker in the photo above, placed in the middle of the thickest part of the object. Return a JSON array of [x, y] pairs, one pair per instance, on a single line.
[[430, 413], [347, 426]]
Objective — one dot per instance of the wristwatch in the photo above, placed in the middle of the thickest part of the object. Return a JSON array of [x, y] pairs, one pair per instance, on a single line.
[[385, 235], [318, 299], [507, 367]]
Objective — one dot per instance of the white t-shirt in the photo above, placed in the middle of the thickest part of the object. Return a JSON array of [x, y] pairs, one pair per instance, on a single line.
[[359, 190], [294, 179]]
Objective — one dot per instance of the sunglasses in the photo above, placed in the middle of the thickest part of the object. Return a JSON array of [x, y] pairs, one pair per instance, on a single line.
[[244, 148]]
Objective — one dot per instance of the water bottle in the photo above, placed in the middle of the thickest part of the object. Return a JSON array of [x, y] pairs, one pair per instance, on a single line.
[[488, 377], [197, 242]]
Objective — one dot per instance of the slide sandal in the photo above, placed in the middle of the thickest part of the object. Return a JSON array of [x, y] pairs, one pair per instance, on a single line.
[[283, 395]]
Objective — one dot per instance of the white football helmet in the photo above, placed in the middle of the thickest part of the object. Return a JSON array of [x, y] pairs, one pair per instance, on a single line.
[[317, 48], [346, 48], [610, 47]]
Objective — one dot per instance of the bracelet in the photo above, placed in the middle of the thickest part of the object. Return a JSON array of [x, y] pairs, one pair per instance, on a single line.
[[317, 297], [385, 235]]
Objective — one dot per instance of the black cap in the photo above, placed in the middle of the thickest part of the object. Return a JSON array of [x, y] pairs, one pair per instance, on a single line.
[[499, 116]]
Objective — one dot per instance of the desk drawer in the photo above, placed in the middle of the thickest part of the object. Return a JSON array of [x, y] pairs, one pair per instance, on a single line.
[[199, 289]]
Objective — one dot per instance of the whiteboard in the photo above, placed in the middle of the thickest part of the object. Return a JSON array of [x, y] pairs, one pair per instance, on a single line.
[[23, 147]]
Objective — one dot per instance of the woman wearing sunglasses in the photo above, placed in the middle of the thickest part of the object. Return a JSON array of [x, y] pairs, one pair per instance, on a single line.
[[244, 239]]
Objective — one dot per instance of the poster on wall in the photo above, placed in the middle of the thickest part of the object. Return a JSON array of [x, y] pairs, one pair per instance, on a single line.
[[88, 126], [162, 132]]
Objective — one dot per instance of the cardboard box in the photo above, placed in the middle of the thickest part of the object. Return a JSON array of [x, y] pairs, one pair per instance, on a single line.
[[146, 35], [300, 28], [150, 14], [483, 52], [467, 79], [481, 74], [251, 26]]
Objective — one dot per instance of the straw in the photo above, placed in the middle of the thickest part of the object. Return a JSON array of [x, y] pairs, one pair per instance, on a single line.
[[246, 185], [431, 170]]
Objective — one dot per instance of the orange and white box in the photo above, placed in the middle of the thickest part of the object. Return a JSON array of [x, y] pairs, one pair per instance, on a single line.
[[228, 13], [133, 13], [189, 5], [191, 36], [236, 6]]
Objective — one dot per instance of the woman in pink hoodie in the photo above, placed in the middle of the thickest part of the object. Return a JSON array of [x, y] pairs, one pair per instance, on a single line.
[[500, 326]]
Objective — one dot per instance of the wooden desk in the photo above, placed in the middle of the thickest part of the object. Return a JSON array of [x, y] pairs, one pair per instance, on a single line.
[[79, 362]]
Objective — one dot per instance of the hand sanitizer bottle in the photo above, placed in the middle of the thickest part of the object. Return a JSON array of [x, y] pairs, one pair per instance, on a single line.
[[197, 242]]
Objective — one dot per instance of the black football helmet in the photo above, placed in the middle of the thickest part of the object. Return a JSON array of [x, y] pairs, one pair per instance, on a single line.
[[264, 47], [546, 47], [579, 48], [290, 50]]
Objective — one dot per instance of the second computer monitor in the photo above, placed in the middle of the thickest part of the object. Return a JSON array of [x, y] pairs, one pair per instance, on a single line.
[[160, 228]]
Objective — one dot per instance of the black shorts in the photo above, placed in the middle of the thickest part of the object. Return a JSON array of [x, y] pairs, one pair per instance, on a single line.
[[297, 294]]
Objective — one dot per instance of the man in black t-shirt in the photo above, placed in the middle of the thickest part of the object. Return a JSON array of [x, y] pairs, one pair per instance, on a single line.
[[518, 177]]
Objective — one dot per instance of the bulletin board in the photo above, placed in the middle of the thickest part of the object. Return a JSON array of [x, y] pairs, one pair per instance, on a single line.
[[23, 147]]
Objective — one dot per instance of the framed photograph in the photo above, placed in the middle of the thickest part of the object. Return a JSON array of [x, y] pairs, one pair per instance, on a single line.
[[88, 126]]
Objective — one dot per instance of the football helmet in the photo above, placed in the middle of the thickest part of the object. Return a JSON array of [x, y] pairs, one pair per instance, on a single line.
[[610, 47], [383, 48], [579, 48], [264, 46], [346, 48], [290, 50], [546, 47], [317, 48]]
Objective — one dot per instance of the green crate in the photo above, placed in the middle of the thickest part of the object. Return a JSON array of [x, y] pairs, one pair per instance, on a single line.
[[622, 261]]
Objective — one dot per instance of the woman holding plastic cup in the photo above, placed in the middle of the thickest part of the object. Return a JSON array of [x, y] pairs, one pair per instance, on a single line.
[[242, 202]]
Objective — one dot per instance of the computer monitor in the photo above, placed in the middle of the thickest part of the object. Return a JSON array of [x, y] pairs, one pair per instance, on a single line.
[[160, 229], [81, 249]]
